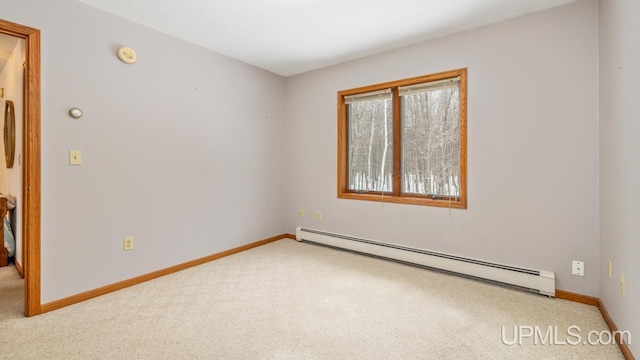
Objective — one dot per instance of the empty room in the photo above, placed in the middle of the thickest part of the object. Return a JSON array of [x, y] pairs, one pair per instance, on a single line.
[[279, 179]]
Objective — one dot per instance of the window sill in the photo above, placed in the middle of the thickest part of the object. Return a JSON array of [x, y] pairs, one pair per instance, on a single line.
[[404, 199]]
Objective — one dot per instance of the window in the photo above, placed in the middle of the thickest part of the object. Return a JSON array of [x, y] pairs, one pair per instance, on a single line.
[[405, 141]]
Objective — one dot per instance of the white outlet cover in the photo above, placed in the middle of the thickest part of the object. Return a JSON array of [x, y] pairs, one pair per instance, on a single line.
[[128, 241], [577, 268]]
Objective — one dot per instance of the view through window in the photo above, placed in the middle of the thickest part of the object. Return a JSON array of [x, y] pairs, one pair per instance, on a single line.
[[405, 141]]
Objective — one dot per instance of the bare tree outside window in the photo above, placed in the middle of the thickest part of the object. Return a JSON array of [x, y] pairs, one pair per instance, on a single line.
[[431, 143], [371, 145], [405, 141]]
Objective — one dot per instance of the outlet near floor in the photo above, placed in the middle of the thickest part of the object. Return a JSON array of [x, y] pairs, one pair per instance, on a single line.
[[578, 268], [128, 243]]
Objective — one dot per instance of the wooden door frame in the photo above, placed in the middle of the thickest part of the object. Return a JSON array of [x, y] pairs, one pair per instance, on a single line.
[[31, 166]]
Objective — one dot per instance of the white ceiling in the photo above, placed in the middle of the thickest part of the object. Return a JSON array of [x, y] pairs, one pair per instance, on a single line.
[[289, 37], [7, 44]]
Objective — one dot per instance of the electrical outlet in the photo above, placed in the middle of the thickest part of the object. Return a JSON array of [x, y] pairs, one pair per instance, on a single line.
[[319, 216], [578, 268], [128, 243], [300, 213], [609, 267], [623, 284]]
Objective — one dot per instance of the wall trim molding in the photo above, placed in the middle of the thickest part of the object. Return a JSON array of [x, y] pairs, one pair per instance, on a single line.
[[290, 236], [74, 299], [583, 299], [594, 301], [19, 268], [612, 326]]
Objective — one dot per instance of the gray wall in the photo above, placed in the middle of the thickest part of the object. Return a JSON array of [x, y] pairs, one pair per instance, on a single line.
[[619, 170], [532, 146], [182, 150]]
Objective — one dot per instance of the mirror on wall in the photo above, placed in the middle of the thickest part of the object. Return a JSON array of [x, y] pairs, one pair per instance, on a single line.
[[9, 133]]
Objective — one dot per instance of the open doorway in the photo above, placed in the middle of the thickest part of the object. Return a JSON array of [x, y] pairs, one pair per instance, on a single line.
[[12, 94], [30, 161]]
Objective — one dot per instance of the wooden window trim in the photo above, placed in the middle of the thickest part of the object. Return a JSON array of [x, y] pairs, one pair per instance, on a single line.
[[397, 196]]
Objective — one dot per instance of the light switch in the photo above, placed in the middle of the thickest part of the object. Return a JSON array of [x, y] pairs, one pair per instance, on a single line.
[[75, 157]]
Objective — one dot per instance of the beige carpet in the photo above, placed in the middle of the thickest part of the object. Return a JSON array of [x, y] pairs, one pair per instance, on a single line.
[[288, 300]]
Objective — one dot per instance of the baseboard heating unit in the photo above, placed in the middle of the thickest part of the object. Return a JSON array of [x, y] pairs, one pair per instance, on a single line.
[[539, 281]]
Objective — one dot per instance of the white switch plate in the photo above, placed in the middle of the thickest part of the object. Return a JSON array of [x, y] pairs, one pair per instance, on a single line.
[[319, 216], [578, 268], [75, 157], [300, 213]]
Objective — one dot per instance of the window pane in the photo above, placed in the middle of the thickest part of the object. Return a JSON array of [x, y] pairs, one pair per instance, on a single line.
[[431, 142], [371, 145]]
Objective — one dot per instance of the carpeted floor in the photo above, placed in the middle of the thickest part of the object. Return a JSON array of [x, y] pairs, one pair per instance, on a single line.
[[289, 300]]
